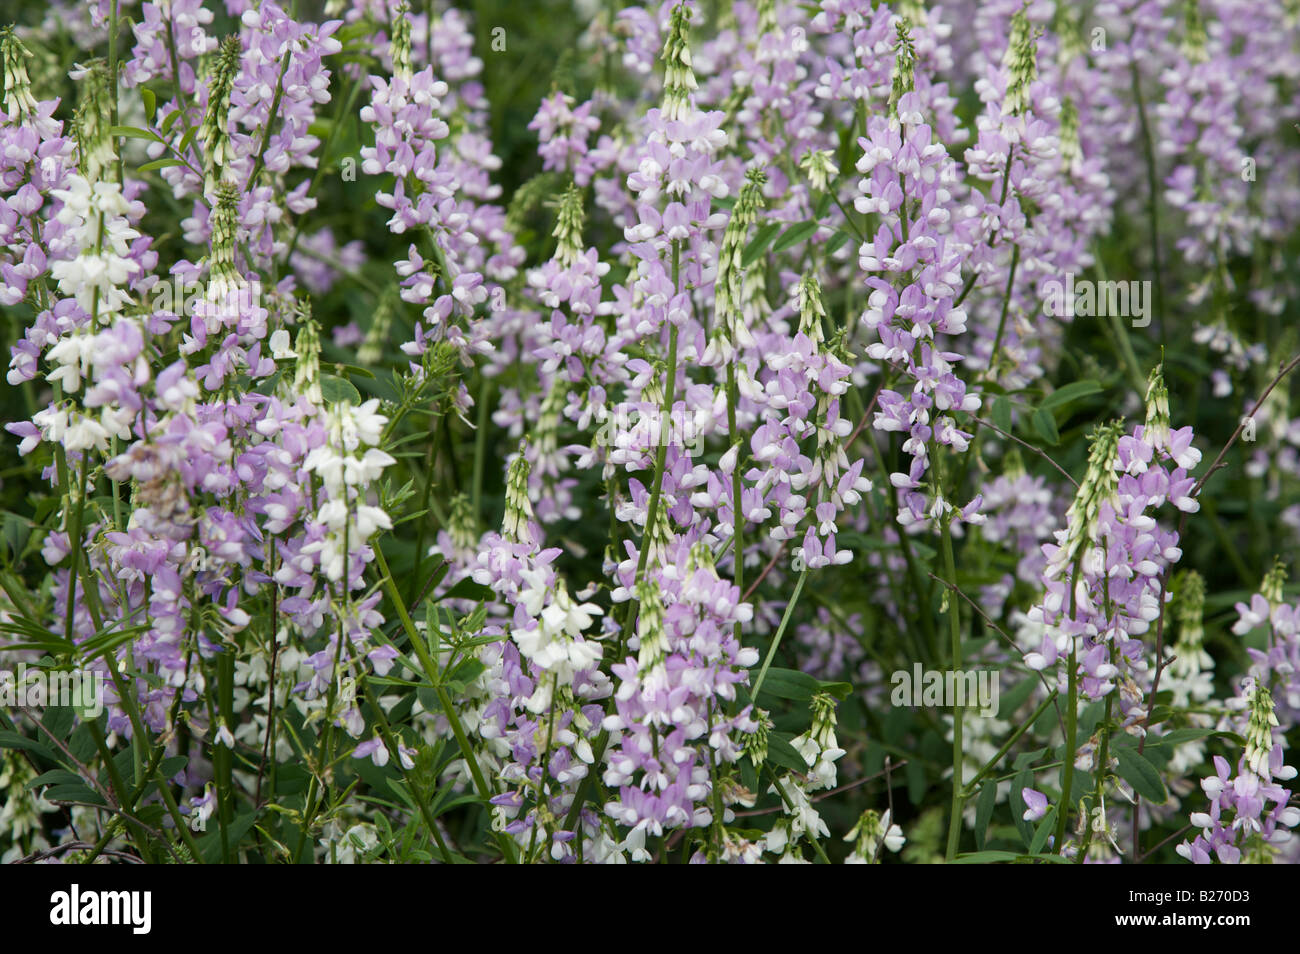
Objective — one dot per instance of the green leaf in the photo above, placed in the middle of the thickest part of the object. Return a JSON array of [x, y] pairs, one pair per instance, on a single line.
[[992, 857], [789, 684], [460, 678], [17, 531], [391, 680], [794, 235], [150, 103], [781, 752], [353, 369], [917, 784], [58, 721], [1045, 825], [210, 844], [108, 641], [838, 241], [79, 792], [984, 857], [334, 390], [44, 646], [1070, 392], [472, 623], [1017, 802], [759, 243], [134, 132], [172, 766], [984, 811], [467, 589], [355, 31], [840, 690], [1002, 414], [1045, 426], [1180, 736], [165, 162], [55, 777], [82, 744], [1142, 775], [12, 740]]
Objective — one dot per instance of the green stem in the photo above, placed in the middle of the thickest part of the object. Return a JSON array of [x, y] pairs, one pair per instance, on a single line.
[[1103, 762], [1101, 776], [395, 754], [1122, 343], [112, 79], [652, 514], [958, 712], [992, 763], [1006, 306], [182, 825], [225, 757], [923, 592], [270, 124], [776, 640], [413, 590], [1071, 724], [1153, 196], [480, 444], [118, 787], [661, 452], [74, 544], [813, 839], [431, 673], [126, 693], [737, 507]]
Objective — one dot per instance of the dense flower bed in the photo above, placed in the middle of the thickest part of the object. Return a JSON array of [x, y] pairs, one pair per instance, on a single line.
[[715, 432]]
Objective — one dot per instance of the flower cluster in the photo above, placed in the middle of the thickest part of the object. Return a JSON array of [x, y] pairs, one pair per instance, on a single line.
[[441, 458]]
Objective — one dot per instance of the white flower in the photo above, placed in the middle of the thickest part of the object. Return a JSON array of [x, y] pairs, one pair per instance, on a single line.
[[280, 345]]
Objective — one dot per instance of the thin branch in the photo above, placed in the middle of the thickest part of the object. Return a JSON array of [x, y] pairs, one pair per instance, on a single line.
[[1161, 662], [885, 772], [76, 846], [997, 629], [1039, 451]]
